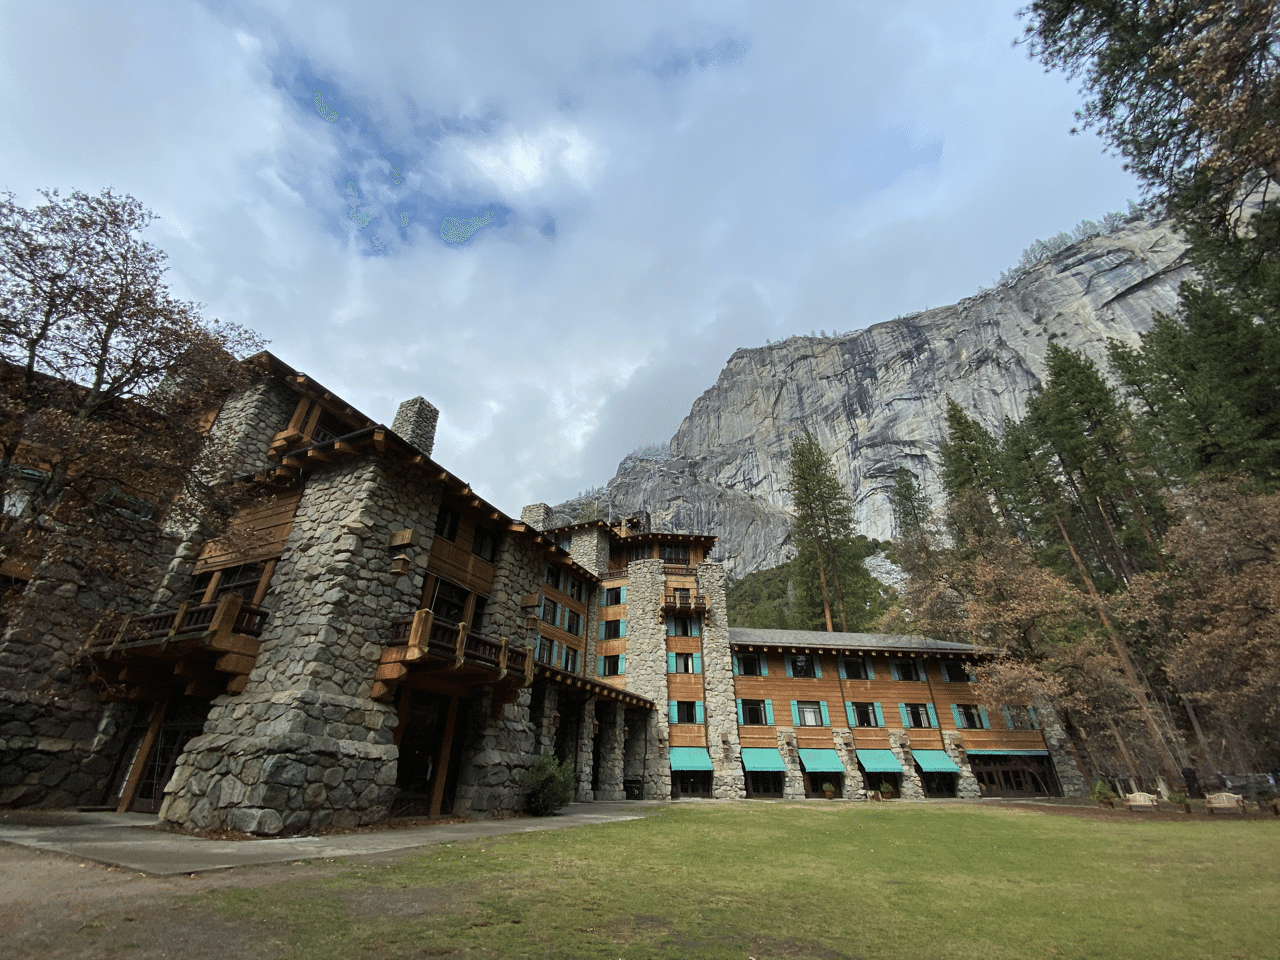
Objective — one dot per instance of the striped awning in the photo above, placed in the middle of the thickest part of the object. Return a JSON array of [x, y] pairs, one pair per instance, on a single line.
[[762, 759], [879, 761], [821, 761], [934, 761], [690, 758]]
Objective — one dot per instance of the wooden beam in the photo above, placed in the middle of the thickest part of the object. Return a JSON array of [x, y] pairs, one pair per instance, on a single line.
[[237, 684], [142, 756], [390, 671], [442, 759], [234, 663]]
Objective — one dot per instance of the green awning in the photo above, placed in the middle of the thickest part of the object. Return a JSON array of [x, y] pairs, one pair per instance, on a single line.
[[879, 761], [821, 761], [934, 761], [690, 758], [1007, 753], [762, 759]]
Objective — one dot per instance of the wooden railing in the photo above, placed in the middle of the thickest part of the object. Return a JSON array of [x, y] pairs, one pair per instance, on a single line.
[[229, 615], [694, 602], [425, 632]]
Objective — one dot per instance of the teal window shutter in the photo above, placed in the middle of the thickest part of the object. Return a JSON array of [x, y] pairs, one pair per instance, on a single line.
[[933, 717], [795, 714], [849, 715], [555, 653], [1035, 723], [879, 715], [737, 666], [739, 703], [902, 712], [671, 626], [697, 663], [920, 666], [871, 674], [894, 671], [599, 666], [764, 664], [601, 625], [1008, 717], [696, 627], [986, 724], [768, 712], [698, 715], [671, 663], [623, 592], [955, 715], [844, 674], [622, 663], [622, 628], [787, 661], [672, 711], [817, 666], [826, 717]]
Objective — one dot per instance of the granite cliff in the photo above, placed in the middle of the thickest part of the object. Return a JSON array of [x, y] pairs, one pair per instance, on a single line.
[[876, 398]]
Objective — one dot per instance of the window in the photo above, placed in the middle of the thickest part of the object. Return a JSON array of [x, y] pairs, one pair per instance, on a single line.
[[968, 716], [573, 623], [564, 541], [754, 713], [864, 715], [243, 579], [687, 711], [906, 670], [550, 612], [682, 662], [449, 602], [484, 545], [802, 665], [916, 715], [1020, 718], [552, 577], [545, 653], [612, 629], [571, 660], [681, 627], [681, 596], [612, 596], [674, 553], [953, 671], [328, 427], [611, 666], [857, 668], [447, 523], [809, 713], [576, 589], [750, 665], [639, 551]]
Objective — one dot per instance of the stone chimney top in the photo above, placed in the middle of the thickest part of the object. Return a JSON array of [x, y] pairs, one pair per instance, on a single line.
[[416, 422], [538, 516]]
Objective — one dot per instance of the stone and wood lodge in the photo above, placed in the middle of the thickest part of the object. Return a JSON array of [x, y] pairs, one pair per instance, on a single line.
[[374, 638]]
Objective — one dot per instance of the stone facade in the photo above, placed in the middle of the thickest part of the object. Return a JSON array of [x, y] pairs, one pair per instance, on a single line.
[[728, 780], [647, 661], [415, 423]]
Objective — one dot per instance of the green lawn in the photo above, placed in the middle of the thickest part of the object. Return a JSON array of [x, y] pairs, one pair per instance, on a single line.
[[767, 880]]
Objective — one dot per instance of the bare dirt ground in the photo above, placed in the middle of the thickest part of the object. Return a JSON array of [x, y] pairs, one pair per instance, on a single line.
[[55, 907]]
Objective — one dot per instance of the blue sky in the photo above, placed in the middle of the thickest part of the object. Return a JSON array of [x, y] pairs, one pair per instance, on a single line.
[[642, 188]]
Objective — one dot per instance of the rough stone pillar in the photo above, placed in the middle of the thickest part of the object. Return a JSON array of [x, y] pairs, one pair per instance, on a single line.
[[304, 745], [854, 787], [1061, 751], [496, 754], [966, 783], [590, 548], [793, 786], [416, 422], [720, 709], [537, 515], [610, 715], [586, 751], [912, 788], [545, 700], [647, 661], [647, 757]]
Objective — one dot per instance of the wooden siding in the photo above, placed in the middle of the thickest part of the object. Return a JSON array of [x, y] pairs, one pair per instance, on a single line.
[[684, 686], [258, 531], [687, 735], [456, 563]]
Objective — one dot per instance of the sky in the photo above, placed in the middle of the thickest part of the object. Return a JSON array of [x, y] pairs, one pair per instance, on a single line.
[[554, 221]]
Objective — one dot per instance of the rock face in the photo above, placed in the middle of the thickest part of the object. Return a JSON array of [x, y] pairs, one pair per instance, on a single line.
[[876, 398]]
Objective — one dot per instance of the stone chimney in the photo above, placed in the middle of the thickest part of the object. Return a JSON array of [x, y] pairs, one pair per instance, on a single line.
[[416, 422], [537, 515]]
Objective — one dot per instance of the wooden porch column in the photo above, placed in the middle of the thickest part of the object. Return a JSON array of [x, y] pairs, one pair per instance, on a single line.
[[442, 760]]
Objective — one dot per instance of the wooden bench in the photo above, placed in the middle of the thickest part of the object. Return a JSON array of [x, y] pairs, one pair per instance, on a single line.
[[1142, 801], [1225, 802]]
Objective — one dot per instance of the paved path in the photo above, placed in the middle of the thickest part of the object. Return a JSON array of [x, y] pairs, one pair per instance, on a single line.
[[131, 840]]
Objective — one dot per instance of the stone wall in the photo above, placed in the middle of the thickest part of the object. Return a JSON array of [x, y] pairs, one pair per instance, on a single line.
[[854, 788], [304, 746], [415, 423], [647, 662], [590, 549], [966, 783], [1061, 751], [793, 782], [720, 707], [246, 425], [911, 787], [611, 740]]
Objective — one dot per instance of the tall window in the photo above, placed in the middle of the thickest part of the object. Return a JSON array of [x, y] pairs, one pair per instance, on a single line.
[[612, 596], [953, 671], [681, 627], [639, 551], [855, 668], [550, 612], [863, 715], [683, 662], [968, 717], [576, 589], [750, 665], [447, 523], [906, 670], [753, 713], [571, 660], [802, 665], [916, 715], [674, 553], [449, 602], [552, 577], [809, 713], [612, 629], [610, 666], [687, 711], [573, 623]]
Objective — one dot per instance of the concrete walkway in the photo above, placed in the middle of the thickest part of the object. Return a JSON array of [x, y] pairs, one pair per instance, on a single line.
[[131, 840]]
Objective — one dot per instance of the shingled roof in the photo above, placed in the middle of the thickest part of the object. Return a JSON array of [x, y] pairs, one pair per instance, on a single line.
[[821, 640]]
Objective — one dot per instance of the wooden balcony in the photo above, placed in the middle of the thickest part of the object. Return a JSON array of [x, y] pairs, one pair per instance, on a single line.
[[684, 603], [206, 648], [428, 651]]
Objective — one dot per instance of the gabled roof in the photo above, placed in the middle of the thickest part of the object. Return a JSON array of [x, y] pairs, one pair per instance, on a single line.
[[821, 640]]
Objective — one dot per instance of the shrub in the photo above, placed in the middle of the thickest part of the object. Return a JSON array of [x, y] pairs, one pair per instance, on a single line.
[[548, 785], [1102, 793]]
